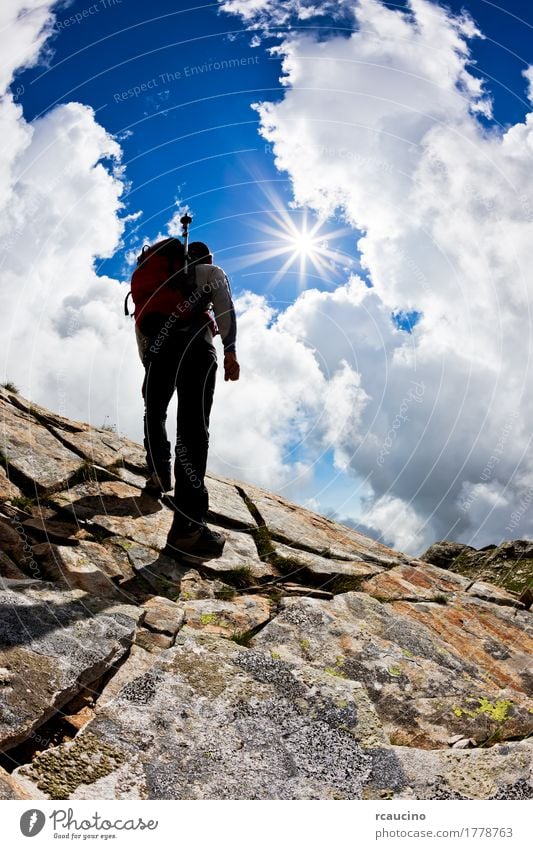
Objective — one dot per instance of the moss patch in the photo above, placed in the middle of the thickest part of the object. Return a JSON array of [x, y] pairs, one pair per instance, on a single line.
[[497, 711], [59, 771], [209, 618]]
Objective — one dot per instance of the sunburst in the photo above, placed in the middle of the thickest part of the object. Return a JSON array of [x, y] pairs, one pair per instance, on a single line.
[[303, 248]]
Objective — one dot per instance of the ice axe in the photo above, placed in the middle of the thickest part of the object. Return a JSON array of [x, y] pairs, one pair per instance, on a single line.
[[185, 221]]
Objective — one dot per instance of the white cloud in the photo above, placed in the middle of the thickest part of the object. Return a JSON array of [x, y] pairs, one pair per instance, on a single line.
[[67, 344], [398, 520], [268, 427], [24, 29], [383, 125], [528, 74], [266, 13]]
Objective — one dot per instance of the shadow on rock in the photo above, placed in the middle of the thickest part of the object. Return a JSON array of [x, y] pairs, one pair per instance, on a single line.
[[112, 505]]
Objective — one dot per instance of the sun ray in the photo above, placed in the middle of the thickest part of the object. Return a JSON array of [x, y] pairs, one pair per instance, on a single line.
[[302, 245]]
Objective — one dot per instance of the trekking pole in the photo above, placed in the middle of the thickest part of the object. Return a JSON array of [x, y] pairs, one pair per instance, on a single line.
[[185, 220]]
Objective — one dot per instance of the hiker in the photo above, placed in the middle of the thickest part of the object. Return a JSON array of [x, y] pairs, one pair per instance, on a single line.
[[181, 301]]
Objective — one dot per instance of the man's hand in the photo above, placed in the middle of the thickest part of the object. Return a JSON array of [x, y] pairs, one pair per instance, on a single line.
[[231, 366]]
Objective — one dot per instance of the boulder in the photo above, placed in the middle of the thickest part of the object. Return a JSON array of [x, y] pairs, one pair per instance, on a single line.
[[304, 529], [8, 490], [444, 552], [53, 643], [34, 453], [233, 619]]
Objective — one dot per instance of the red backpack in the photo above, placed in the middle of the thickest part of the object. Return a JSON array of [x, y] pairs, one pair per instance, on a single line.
[[160, 288]]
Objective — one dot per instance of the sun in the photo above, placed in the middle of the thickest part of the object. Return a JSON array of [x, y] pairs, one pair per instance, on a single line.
[[305, 244], [302, 248]]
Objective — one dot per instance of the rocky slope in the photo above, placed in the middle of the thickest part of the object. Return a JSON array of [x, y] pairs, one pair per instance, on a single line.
[[308, 662], [509, 565]]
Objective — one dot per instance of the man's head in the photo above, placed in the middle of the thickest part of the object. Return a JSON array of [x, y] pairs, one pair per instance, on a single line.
[[200, 253]]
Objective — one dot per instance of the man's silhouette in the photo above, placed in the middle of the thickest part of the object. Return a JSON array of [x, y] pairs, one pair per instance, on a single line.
[[180, 355]]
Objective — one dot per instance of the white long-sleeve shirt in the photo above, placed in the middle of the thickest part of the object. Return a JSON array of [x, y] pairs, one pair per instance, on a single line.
[[212, 278]]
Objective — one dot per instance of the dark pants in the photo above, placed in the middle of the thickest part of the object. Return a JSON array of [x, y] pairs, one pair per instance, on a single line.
[[186, 363]]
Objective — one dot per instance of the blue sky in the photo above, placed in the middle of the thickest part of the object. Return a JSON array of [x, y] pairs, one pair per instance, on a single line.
[[444, 260]]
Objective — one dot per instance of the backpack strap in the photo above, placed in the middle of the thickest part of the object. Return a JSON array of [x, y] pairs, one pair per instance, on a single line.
[[126, 310]]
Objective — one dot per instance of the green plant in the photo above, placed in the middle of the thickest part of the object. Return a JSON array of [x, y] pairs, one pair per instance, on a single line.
[[242, 576], [335, 671], [395, 671], [10, 387], [440, 598], [498, 711], [242, 638], [208, 618], [275, 595], [225, 593], [23, 503]]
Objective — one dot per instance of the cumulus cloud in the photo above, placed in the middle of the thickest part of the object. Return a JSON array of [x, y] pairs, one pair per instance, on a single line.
[[266, 14], [388, 126], [269, 427]]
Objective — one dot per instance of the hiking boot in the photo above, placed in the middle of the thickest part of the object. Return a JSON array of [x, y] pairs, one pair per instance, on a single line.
[[194, 541], [157, 484]]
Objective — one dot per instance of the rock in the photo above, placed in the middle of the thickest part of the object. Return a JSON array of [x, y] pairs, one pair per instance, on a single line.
[[501, 772], [119, 509], [454, 739], [33, 452], [8, 490], [329, 571], [53, 530], [89, 566], [509, 565], [138, 661], [444, 553], [248, 727], [526, 598], [131, 478], [302, 528], [10, 788], [161, 573], [163, 616], [430, 669], [193, 586], [151, 641], [226, 504], [12, 543], [488, 592], [431, 583], [101, 446], [54, 643], [227, 618], [298, 589], [424, 582], [308, 661], [241, 559], [79, 719], [464, 743], [8, 569]]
